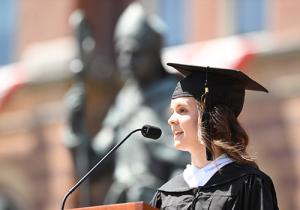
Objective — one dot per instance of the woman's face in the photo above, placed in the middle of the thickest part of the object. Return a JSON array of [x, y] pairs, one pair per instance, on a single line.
[[184, 123]]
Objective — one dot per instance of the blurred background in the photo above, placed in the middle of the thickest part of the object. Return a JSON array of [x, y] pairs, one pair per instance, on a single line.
[[41, 57]]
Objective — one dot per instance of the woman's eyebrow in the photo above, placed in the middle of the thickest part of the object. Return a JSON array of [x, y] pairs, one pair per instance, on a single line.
[[177, 106]]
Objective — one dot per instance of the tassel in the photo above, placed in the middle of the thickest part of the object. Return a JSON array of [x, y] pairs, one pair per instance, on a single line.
[[206, 117]]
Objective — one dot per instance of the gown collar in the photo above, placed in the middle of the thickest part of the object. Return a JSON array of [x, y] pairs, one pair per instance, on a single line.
[[226, 174], [197, 177]]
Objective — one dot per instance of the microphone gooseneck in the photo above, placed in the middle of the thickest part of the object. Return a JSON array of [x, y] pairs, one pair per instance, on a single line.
[[148, 131], [92, 169]]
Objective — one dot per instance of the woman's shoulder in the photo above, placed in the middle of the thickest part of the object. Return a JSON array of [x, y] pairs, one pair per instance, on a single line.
[[235, 172], [175, 184]]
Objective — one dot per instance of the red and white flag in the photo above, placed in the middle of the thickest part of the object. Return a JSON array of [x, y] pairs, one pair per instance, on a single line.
[[10, 81]]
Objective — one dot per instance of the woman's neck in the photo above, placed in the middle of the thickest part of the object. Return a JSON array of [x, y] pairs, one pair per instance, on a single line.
[[198, 158]]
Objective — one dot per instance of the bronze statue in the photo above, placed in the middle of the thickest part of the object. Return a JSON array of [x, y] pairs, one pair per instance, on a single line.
[[86, 86], [141, 165]]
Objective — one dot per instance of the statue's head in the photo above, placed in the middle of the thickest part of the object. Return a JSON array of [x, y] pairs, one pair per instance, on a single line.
[[138, 42]]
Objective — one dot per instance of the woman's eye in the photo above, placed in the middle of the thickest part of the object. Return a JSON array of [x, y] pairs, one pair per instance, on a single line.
[[182, 110]]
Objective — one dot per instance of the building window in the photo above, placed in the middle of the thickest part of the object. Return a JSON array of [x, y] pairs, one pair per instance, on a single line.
[[7, 31], [172, 13], [250, 15]]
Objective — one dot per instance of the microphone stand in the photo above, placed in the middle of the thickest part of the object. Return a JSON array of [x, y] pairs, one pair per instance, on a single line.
[[92, 169]]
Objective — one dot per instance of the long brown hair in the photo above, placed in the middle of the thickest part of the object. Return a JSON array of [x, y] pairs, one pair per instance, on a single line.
[[226, 134]]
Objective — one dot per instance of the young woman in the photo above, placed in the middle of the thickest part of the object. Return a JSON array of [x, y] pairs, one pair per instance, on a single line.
[[204, 110]]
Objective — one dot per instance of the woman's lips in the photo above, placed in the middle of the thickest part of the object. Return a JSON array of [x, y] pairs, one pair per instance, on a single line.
[[178, 133]]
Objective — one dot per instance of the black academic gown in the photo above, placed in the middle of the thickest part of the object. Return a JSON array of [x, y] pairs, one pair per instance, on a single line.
[[234, 187]]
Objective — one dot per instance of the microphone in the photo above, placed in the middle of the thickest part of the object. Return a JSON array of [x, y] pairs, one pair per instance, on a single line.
[[151, 132], [147, 131]]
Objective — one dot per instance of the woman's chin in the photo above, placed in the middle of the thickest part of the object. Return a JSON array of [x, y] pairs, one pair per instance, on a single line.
[[178, 145]]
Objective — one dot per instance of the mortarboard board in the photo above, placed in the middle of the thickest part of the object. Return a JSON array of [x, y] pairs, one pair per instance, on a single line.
[[219, 86], [226, 86]]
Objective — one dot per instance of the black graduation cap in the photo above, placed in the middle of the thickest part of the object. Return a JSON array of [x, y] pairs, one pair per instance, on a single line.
[[214, 86]]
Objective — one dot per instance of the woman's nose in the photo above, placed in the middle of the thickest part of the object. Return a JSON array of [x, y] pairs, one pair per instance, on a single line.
[[172, 120]]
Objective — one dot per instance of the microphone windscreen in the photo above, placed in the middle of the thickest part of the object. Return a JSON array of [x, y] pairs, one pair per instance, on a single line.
[[151, 132]]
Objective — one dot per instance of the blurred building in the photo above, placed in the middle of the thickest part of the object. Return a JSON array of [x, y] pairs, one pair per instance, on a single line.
[[36, 168], [37, 46]]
